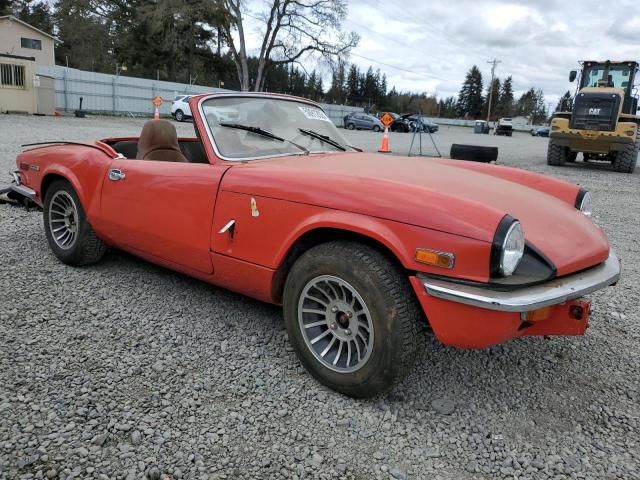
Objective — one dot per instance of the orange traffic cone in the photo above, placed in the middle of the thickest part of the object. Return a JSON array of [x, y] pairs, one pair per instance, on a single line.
[[156, 115], [384, 148]]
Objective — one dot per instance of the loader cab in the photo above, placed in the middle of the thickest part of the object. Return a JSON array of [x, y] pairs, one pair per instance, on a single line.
[[612, 75]]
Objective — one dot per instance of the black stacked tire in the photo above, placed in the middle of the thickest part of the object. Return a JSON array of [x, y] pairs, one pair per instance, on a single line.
[[556, 154], [386, 293], [474, 153], [625, 161], [85, 247]]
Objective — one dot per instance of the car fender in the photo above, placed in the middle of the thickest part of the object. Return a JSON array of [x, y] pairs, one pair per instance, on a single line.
[[401, 240], [371, 227], [288, 222]]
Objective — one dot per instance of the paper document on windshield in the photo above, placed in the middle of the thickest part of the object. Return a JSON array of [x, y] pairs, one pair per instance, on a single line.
[[314, 114]]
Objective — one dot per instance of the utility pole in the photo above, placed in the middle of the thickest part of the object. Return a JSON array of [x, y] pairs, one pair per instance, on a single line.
[[493, 63]]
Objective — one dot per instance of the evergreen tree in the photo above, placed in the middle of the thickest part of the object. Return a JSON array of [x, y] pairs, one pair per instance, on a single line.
[[76, 22], [532, 105], [353, 85], [540, 111], [6, 7], [470, 100], [504, 107], [36, 14], [337, 91], [565, 104], [369, 87]]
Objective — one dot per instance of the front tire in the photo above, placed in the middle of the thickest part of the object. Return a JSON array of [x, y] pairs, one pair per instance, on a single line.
[[67, 229], [625, 161], [350, 126], [179, 116], [556, 154], [351, 317], [376, 128]]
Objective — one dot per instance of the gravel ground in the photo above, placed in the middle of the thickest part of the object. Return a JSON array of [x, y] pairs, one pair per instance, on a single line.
[[127, 370]]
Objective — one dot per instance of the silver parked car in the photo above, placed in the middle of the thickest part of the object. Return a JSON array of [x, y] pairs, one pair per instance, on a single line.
[[362, 121]]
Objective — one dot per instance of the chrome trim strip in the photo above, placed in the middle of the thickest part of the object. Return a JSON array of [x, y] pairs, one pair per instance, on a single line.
[[16, 177], [526, 299]]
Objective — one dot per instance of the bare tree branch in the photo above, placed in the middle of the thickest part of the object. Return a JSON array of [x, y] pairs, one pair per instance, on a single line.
[[292, 30]]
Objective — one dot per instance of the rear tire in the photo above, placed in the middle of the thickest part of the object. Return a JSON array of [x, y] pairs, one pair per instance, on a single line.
[[67, 229], [179, 116], [325, 289], [556, 154], [625, 161]]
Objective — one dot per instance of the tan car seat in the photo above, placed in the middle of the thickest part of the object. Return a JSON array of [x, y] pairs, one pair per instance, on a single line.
[[159, 141]]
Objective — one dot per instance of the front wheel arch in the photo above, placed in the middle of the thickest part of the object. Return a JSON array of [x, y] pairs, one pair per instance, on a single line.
[[316, 237]]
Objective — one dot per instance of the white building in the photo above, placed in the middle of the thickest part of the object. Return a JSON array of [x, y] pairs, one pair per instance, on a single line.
[[22, 48]]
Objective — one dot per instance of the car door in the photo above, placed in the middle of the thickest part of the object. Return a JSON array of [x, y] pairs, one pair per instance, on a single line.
[[162, 209]]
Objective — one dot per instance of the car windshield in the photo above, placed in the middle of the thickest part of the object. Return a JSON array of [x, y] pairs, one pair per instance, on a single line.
[[303, 127], [618, 76]]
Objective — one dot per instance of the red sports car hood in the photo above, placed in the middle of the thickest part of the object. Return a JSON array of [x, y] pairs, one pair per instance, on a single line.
[[451, 196]]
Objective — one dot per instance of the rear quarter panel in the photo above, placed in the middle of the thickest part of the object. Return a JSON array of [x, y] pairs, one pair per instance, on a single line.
[[82, 166]]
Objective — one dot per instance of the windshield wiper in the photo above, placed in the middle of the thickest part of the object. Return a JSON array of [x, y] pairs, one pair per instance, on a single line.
[[322, 138], [263, 133]]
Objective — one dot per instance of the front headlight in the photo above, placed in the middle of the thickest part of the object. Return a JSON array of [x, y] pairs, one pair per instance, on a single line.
[[512, 249], [508, 247], [583, 202]]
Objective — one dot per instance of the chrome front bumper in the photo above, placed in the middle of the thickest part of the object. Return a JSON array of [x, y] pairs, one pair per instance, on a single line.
[[16, 186], [526, 299]]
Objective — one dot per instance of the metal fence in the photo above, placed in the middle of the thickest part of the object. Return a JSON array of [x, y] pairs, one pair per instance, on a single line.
[[118, 95]]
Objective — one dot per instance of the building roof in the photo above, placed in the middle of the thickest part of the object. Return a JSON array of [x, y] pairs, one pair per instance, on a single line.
[[11, 18]]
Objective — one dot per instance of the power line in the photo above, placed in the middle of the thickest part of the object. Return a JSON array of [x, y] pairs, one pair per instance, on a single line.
[[401, 68]]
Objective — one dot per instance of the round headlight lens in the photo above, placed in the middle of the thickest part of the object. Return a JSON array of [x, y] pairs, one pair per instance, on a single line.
[[586, 206], [512, 249]]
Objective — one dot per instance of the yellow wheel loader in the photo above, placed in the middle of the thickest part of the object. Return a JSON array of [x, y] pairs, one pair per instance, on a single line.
[[603, 121]]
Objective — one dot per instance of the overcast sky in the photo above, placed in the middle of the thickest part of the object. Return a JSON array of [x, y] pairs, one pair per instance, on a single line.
[[538, 41], [433, 43]]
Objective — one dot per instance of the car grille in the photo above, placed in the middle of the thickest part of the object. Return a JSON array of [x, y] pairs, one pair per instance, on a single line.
[[595, 111]]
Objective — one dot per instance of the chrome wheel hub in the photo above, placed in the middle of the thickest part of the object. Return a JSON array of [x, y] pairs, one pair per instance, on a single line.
[[335, 323], [63, 220]]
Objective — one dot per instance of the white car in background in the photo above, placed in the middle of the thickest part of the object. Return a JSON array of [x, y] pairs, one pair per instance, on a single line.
[[180, 108], [181, 112]]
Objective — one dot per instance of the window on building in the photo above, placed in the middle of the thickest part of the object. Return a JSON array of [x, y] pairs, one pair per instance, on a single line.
[[11, 75], [31, 43]]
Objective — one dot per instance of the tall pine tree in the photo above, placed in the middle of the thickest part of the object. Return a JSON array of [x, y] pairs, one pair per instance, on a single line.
[[470, 100], [504, 108]]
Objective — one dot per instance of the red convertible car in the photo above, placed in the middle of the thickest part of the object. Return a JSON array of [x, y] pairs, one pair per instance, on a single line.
[[360, 249]]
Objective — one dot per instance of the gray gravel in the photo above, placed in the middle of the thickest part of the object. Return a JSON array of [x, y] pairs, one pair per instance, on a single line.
[[126, 370]]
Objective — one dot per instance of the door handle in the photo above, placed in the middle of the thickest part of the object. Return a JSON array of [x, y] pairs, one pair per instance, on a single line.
[[116, 174], [229, 227]]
